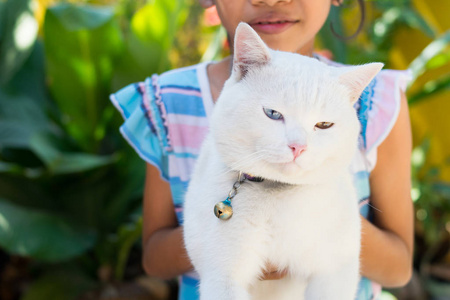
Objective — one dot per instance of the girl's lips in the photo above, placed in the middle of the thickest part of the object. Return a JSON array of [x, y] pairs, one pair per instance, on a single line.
[[272, 27]]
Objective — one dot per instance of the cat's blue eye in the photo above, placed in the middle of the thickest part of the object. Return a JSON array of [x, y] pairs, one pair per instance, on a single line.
[[273, 114]]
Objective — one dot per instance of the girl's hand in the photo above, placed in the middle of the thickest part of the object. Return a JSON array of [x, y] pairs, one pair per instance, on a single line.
[[272, 272]]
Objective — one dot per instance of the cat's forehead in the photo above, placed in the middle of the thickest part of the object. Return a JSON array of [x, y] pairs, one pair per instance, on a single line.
[[292, 79], [301, 69]]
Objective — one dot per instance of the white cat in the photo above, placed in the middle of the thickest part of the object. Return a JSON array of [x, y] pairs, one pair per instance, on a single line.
[[288, 119]]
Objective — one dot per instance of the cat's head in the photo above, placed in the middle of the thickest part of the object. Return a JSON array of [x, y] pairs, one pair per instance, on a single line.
[[287, 117]]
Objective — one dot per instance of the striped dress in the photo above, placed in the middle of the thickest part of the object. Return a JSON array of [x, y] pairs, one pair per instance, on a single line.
[[167, 118]]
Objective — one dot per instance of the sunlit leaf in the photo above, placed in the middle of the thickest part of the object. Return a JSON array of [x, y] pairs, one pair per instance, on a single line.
[[383, 26], [40, 235], [77, 17], [155, 26], [214, 50], [18, 32], [421, 63], [414, 19], [430, 88], [80, 59], [383, 29]]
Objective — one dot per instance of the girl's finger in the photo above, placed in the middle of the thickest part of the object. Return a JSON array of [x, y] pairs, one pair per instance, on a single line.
[[275, 275]]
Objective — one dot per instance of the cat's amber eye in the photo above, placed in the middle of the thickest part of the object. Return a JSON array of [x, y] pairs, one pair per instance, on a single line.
[[273, 114], [324, 125]]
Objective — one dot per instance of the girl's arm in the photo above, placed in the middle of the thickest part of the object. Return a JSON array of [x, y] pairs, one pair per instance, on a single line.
[[164, 255], [387, 244]]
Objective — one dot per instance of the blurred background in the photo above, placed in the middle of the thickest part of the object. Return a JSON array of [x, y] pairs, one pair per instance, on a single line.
[[70, 186]]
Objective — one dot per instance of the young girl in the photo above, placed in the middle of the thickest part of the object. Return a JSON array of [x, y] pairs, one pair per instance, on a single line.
[[166, 119]]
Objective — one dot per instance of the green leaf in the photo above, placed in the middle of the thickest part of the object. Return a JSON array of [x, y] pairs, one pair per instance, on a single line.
[[60, 284], [214, 50], [20, 118], [149, 42], [58, 162], [40, 235], [442, 189], [7, 167], [18, 32], [431, 57], [415, 20], [29, 80], [127, 235], [155, 25], [430, 88], [77, 17], [383, 28], [81, 55]]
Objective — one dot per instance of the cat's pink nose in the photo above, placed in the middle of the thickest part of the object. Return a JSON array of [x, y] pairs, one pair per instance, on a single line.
[[297, 149]]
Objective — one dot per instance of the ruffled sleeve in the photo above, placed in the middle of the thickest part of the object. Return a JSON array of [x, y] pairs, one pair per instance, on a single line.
[[144, 125], [378, 109]]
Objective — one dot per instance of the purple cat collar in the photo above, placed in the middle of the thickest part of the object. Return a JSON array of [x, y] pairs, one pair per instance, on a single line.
[[250, 177]]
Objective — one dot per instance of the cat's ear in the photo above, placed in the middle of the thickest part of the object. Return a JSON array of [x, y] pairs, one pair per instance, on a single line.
[[357, 78], [249, 51]]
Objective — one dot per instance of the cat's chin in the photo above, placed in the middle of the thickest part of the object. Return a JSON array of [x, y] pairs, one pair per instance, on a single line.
[[288, 172], [296, 174]]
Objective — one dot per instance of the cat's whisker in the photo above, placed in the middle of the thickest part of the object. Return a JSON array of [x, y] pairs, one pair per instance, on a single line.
[[245, 161], [241, 164], [252, 157]]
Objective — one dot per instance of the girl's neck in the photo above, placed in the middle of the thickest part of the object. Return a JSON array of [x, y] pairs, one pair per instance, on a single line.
[[218, 73]]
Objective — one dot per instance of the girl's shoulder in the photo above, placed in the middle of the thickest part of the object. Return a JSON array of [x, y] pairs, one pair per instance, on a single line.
[[158, 111], [189, 77], [378, 106]]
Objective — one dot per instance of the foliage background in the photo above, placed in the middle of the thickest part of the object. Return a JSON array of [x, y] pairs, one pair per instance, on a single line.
[[70, 187]]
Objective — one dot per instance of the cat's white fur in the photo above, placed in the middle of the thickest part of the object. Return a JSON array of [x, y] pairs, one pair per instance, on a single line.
[[304, 217]]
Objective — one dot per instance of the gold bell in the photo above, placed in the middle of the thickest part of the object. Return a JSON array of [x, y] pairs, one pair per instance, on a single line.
[[223, 210]]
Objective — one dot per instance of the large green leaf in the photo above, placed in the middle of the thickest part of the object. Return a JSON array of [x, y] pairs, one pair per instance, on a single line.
[[18, 32], [383, 28], [158, 21], [148, 44], [80, 17], [430, 88], [30, 79], [414, 19], [40, 235], [435, 55], [81, 51], [20, 118], [45, 147]]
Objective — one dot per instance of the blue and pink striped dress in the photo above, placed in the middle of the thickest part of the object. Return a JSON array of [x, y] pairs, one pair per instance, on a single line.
[[167, 118]]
